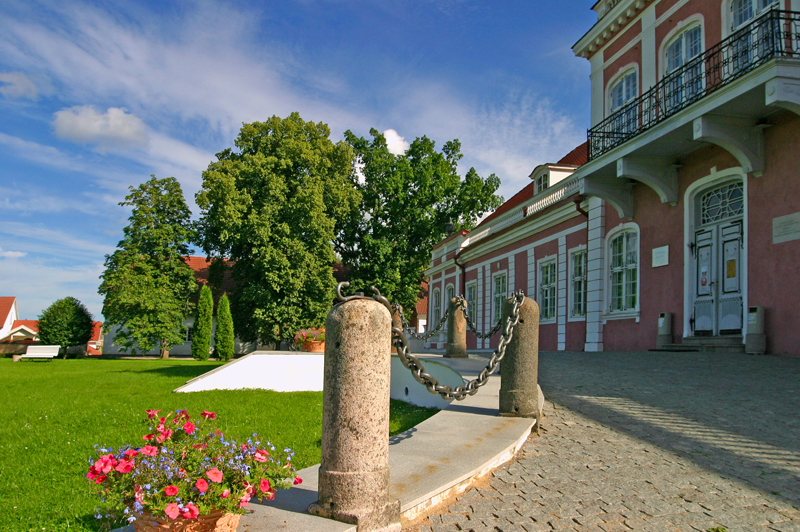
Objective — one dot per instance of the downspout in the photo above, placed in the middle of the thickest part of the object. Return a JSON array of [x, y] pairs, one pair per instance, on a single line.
[[578, 201]]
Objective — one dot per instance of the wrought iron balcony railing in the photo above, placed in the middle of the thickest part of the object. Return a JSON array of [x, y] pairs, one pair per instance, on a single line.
[[773, 34]]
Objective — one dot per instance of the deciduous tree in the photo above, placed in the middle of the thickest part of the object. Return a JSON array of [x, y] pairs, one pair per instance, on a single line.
[[67, 323], [407, 201], [271, 206], [203, 321], [147, 283]]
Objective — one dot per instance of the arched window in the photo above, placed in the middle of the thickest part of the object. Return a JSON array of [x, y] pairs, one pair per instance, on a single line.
[[684, 68], [751, 44], [623, 254], [622, 96], [437, 308]]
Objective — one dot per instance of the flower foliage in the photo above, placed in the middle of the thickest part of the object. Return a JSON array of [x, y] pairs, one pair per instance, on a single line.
[[309, 335], [187, 468]]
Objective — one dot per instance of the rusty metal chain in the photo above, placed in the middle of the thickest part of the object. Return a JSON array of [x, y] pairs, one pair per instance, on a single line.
[[425, 336], [414, 365], [462, 303]]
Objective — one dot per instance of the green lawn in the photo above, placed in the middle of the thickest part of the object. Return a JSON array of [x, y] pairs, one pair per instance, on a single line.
[[53, 413]]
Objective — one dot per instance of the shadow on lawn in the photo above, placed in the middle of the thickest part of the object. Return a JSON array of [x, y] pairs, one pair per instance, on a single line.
[[189, 371]]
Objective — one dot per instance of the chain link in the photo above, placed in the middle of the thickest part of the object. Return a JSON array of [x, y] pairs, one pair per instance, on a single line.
[[462, 303], [414, 365], [427, 335]]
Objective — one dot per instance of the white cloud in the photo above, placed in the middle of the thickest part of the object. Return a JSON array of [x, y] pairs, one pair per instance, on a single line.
[[11, 254], [18, 85], [113, 129], [396, 144]]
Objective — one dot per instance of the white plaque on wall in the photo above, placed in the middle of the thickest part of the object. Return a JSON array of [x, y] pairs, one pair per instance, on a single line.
[[660, 256], [786, 228]]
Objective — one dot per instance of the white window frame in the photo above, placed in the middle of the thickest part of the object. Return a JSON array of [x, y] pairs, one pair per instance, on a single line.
[[188, 334], [610, 237], [497, 310], [679, 33], [550, 260], [619, 77], [448, 290], [472, 304], [572, 280], [542, 182], [436, 307]]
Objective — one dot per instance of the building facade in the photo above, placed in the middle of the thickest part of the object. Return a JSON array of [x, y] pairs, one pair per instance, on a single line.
[[682, 221]]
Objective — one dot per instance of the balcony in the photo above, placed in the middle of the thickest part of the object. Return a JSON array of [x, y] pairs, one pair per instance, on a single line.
[[776, 34], [723, 97]]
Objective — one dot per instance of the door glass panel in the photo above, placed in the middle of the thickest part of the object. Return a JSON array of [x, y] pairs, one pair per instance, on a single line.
[[722, 203]]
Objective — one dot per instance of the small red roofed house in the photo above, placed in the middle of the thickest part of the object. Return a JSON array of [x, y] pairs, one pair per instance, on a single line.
[[8, 315]]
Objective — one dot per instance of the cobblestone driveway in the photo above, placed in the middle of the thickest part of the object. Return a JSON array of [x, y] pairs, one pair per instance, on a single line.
[[650, 442]]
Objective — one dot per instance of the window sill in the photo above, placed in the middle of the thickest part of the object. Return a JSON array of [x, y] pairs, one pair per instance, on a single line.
[[551, 321], [576, 318], [624, 315]]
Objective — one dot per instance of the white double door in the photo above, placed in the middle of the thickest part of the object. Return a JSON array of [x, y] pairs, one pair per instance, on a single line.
[[718, 303]]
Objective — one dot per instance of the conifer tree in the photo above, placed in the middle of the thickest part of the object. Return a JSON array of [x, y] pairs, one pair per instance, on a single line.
[[224, 336], [201, 335]]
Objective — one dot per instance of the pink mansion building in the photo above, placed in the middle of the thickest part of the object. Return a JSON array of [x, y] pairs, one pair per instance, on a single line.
[[677, 224]]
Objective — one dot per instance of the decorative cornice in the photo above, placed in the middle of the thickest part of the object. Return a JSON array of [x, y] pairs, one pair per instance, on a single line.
[[609, 23]]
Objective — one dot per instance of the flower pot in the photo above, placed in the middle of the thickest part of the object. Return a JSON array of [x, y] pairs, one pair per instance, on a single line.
[[314, 346], [216, 521]]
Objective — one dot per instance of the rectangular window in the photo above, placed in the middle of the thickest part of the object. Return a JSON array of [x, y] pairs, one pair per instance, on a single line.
[[437, 308], [499, 295], [578, 283], [547, 290], [542, 182], [189, 334], [624, 271], [472, 310]]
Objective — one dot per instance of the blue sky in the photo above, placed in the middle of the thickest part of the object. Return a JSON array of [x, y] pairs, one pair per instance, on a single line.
[[96, 96]]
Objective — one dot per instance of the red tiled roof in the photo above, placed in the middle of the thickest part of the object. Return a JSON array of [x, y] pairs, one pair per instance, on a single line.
[[422, 302], [5, 307], [516, 200], [30, 324], [97, 331], [200, 265], [577, 157]]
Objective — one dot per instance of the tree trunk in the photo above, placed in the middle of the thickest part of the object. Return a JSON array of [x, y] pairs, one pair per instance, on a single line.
[[164, 354]]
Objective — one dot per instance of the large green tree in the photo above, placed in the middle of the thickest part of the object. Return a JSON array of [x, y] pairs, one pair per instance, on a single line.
[[67, 323], [203, 322], [407, 201], [147, 283], [271, 207]]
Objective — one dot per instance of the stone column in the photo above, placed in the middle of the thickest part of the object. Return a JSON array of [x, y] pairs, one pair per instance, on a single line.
[[354, 471], [456, 331], [519, 371]]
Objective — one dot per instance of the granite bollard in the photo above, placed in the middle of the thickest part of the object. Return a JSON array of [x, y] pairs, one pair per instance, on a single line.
[[354, 470], [519, 370], [456, 331]]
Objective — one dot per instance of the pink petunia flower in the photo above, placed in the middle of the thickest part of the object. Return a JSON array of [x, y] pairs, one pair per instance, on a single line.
[[131, 453], [138, 493], [261, 455], [249, 489], [149, 450], [92, 474], [190, 511], [124, 466], [100, 479], [188, 427], [297, 480], [171, 491], [152, 413], [172, 510], [244, 500], [105, 463], [164, 435], [208, 415], [148, 437], [270, 495], [215, 475], [263, 485], [201, 485], [225, 494]]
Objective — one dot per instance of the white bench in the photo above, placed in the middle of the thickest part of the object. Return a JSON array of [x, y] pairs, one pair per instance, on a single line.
[[41, 351]]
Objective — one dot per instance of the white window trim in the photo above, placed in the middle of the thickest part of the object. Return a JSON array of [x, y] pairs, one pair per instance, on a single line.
[[570, 252], [436, 299], [621, 73], [446, 301], [727, 16], [539, 263], [630, 313], [684, 25], [491, 301], [474, 308]]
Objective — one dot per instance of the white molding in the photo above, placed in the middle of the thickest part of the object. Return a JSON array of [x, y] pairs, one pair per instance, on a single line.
[[531, 288], [479, 306], [713, 179], [648, 39], [595, 288], [741, 138], [561, 294]]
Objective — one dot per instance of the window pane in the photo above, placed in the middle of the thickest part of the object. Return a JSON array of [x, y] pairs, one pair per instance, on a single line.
[[675, 55], [693, 46]]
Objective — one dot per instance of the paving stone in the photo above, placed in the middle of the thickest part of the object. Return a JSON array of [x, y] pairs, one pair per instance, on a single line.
[[652, 442]]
